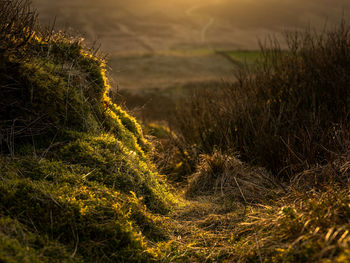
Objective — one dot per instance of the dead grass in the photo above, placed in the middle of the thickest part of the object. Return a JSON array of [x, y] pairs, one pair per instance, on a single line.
[[335, 172], [298, 226], [227, 176]]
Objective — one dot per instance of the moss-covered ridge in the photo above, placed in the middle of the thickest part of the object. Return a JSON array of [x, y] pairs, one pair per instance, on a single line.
[[60, 85], [76, 183]]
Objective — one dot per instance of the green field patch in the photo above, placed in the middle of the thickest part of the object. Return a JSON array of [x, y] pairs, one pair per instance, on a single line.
[[244, 56]]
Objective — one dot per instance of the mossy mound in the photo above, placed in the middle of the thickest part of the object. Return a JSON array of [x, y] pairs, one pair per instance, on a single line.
[[58, 85], [76, 184], [58, 204]]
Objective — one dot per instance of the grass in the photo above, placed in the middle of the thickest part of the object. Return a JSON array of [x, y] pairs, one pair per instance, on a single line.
[[297, 227], [80, 178], [76, 180], [293, 225], [228, 176], [280, 116]]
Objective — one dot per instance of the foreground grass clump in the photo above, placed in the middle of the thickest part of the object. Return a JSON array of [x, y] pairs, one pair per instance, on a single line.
[[303, 227], [221, 174], [76, 183], [295, 225]]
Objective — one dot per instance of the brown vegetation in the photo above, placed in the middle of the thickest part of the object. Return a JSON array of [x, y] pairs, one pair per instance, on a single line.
[[225, 175], [289, 113]]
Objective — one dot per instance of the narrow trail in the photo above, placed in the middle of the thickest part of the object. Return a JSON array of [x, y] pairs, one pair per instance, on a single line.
[[202, 229], [205, 28]]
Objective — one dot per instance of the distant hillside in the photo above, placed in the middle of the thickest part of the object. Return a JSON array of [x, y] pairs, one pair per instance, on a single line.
[[165, 44], [135, 26]]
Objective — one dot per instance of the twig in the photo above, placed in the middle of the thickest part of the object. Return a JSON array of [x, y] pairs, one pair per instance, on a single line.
[[240, 189]]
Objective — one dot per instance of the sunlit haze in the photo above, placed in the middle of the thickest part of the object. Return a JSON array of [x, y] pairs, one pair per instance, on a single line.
[[165, 24], [125, 28]]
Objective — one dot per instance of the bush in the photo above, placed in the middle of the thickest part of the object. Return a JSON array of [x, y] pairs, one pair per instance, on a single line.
[[288, 113]]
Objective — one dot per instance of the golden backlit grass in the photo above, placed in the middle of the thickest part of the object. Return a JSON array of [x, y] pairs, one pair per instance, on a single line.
[[79, 180], [76, 181]]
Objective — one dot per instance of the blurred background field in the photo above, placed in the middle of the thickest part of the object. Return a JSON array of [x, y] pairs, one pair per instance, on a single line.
[[166, 44]]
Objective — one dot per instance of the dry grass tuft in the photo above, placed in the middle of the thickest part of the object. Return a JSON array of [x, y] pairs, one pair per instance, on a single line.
[[336, 172], [227, 176]]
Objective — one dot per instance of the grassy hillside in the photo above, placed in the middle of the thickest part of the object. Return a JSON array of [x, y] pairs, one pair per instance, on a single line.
[[261, 166], [76, 183]]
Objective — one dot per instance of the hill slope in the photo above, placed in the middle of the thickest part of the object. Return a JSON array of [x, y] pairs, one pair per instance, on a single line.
[[76, 183]]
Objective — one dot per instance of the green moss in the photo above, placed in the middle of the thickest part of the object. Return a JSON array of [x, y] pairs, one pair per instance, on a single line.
[[111, 163], [65, 206], [79, 184], [17, 244]]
